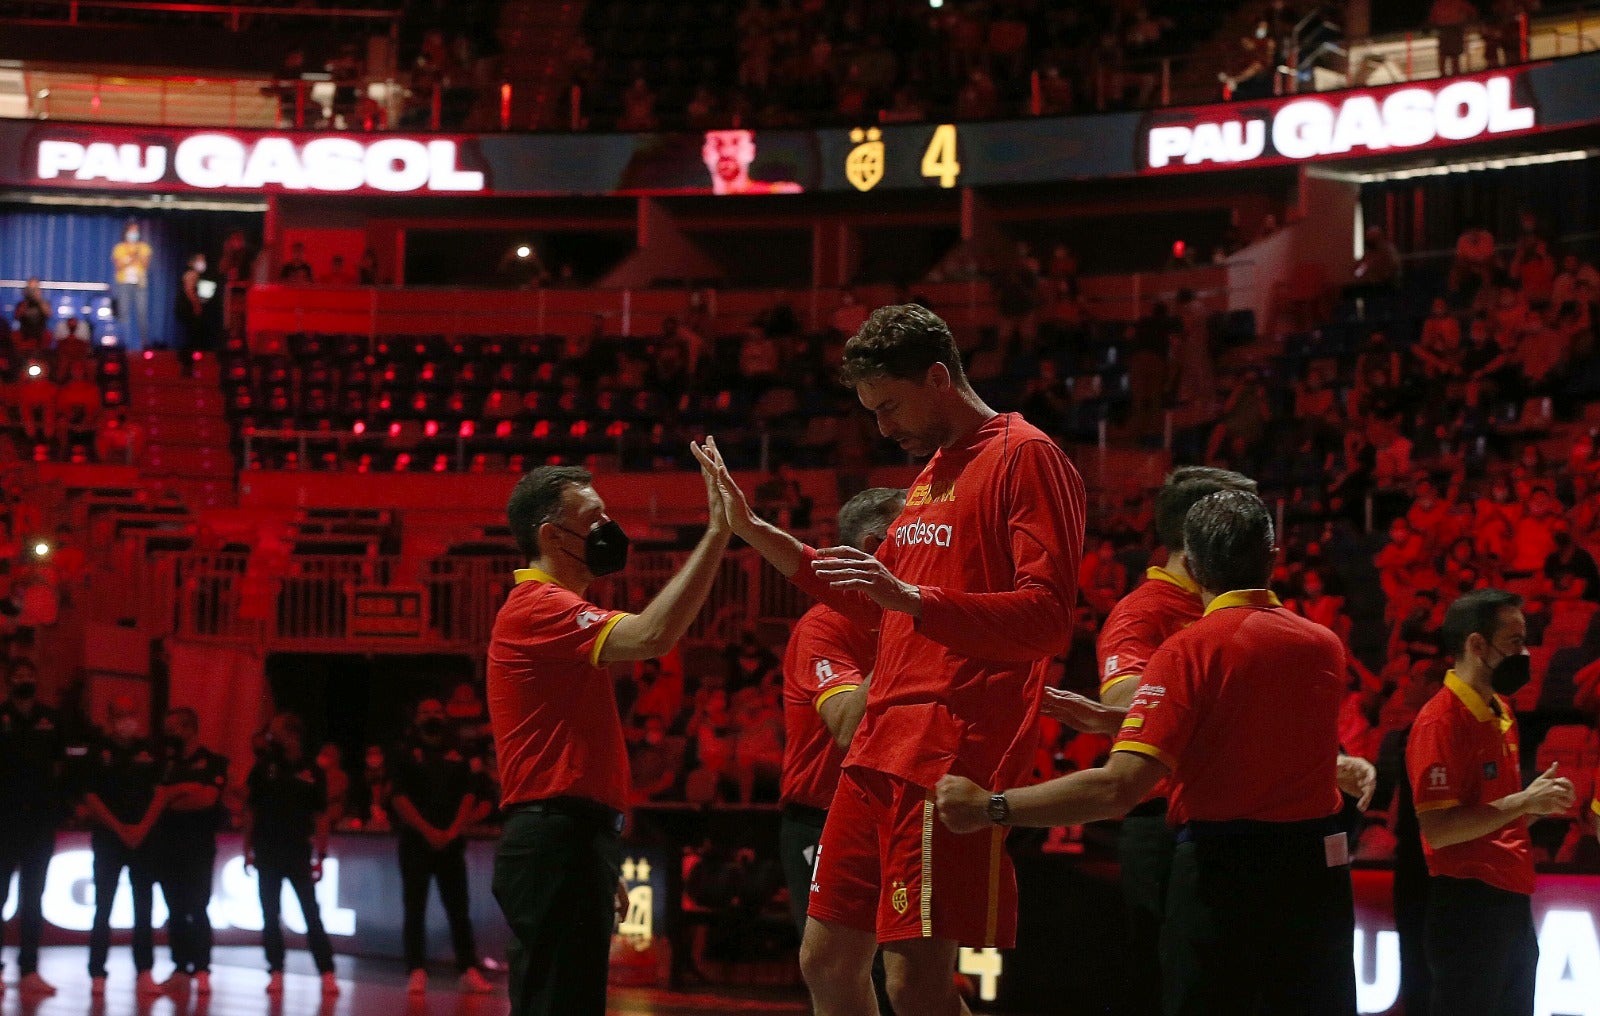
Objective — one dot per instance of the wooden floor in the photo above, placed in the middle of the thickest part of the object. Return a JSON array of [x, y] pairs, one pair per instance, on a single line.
[[369, 988]]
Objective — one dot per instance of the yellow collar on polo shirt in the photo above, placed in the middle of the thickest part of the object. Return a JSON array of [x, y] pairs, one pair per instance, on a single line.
[[1244, 598], [1481, 710], [1158, 574], [522, 575]]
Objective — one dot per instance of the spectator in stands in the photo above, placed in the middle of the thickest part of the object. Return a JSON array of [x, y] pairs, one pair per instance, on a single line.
[[190, 309], [369, 796], [1502, 35], [1245, 415], [1575, 275], [1055, 92], [759, 359], [1475, 262], [638, 107], [71, 345], [750, 663], [1196, 384], [780, 499], [1571, 559], [294, 96], [1255, 73], [130, 266], [1379, 270], [1535, 271], [1103, 578], [367, 270], [33, 315], [297, 268], [78, 399], [656, 759], [339, 273], [978, 99], [37, 396], [346, 69], [1450, 19]]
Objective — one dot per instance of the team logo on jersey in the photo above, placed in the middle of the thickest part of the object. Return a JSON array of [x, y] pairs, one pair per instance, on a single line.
[[589, 618], [825, 672], [919, 533], [1438, 778], [942, 492], [899, 899], [1111, 666], [1491, 770]]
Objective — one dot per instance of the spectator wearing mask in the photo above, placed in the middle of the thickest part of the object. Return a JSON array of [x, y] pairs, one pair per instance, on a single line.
[[286, 839], [1256, 68], [190, 308], [120, 799], [297, 268], [130, 267], [32, 799], [434, 799]]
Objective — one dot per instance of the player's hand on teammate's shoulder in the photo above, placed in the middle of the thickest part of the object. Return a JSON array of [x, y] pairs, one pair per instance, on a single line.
[[963, 805]]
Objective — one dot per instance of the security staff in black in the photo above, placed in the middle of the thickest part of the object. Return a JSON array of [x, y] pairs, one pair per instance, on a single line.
[[434, 800], [286, 840], [192, 781], [120, 797], [32, 774]]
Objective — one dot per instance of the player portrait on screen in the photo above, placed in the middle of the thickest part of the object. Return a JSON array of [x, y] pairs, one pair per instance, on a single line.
[[728, 155]]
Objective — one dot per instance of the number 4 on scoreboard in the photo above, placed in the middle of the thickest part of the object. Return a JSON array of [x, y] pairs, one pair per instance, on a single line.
[[939, 161]]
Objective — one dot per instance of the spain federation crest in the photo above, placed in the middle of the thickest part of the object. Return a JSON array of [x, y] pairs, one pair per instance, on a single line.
[[863, 167]]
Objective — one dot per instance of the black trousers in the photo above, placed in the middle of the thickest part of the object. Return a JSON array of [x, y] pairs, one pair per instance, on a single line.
[[186, 874], [1144, 854], [273, 869], [1410, 923], [419, 865], [555, 878], [1483, 952], [1258, 926], [27, 843], [111, 856]]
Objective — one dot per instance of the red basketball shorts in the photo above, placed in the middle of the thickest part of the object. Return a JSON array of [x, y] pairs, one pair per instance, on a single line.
[[887, 865]]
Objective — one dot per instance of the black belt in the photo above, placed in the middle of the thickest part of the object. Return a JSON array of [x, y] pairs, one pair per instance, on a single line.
[[571, 807], [1150, 809], [805, 813], [1244, 828]]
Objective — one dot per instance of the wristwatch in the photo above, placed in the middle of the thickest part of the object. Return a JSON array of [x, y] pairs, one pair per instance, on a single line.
[[999, 809]]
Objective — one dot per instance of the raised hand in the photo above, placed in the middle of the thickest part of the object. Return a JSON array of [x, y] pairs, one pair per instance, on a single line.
[[741, 519]]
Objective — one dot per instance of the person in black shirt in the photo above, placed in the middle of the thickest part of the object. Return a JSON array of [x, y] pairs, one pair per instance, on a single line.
[[434, 800], [120, 798], [32, 767], [1572, 559], [285, 820], [185, 839]]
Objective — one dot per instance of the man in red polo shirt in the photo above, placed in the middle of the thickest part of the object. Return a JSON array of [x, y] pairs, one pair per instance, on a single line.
[[563, 764], [1167, 602], [1466, 779], [974, 591], [826, 670], [1242, 709]]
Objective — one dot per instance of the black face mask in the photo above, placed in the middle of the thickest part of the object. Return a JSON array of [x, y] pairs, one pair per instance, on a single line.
[[605, 548], [1511, 674], [431, 727], [24, 691]]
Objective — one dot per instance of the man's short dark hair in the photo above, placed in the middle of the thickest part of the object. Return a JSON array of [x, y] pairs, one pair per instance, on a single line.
[[188, 718], [869, 512], [1476, 613], [536, 499], [1186, 485], [901, 341], [1230, 542]]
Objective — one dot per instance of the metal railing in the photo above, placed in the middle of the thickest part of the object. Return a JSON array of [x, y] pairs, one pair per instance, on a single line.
[[303, 603]]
